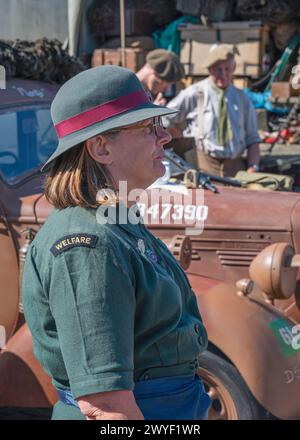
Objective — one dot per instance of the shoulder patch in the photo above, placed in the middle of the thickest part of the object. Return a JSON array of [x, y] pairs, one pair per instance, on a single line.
[[73, 240]]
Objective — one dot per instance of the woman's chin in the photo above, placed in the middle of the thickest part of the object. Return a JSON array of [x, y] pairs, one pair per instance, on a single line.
[[159, 167]]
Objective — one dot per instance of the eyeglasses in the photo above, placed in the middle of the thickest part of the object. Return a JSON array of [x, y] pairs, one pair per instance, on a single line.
[[155, 128]]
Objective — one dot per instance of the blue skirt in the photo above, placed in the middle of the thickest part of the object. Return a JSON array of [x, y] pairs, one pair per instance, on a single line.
[[167, 398], [172, 398]]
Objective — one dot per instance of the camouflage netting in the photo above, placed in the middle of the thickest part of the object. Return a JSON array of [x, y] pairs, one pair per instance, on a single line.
[[43, 60]]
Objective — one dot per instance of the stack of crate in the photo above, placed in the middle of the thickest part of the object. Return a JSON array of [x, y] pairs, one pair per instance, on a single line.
[[250, 37], [134, 57]]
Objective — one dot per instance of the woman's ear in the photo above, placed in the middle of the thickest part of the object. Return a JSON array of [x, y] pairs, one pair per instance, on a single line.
[[97, 149]]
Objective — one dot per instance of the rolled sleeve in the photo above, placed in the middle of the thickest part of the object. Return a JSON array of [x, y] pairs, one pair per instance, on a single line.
[[92, 300]]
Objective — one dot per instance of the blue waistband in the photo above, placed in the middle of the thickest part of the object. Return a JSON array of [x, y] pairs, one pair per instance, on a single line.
[[65, 396], [163, 385], [142, 388], [167, 398], [173, 398]]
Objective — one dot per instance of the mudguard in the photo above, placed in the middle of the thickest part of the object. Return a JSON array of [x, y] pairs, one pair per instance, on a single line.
[[256, 338], [9, 288], [23, 382]]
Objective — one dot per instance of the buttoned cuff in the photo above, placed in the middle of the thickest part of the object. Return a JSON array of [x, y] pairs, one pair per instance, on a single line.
[[101, 383]]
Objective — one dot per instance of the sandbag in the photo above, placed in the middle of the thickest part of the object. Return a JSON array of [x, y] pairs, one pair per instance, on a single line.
[[43, 60], [265, 181]]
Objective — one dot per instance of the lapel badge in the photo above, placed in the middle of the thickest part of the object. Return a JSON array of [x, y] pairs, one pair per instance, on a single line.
[[151, 255], [141, 246]]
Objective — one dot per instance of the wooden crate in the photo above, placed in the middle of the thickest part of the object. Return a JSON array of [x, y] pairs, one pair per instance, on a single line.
[[134, 58], [251, 39], [283, 89], [241, 82]]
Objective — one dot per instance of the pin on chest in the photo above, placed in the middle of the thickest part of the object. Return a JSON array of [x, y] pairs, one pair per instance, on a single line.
[[146, 252]]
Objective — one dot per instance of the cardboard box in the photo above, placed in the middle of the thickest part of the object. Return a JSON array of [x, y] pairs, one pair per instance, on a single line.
[[283, 89], [251, 39], [241, 82], [134, 58]]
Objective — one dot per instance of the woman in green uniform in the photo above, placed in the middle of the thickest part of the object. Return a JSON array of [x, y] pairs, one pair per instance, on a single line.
[[112, 315]]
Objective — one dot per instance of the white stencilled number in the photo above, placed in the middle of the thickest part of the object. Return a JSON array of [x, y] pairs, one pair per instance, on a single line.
[[178, 212], [189, 212], [202, 213], [153, 210], [166, 208]]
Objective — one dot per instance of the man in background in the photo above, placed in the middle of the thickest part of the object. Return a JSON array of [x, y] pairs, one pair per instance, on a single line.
[[219, 116], [161, 70]]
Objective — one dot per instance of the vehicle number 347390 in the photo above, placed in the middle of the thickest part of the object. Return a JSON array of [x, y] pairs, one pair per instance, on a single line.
[[175, 212]]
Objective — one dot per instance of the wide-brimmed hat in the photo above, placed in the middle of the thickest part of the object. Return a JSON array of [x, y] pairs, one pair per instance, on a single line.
[[96, 101], [166, 64], [220, 52]]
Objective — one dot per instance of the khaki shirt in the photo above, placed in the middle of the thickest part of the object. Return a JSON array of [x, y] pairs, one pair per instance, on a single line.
[[241, 112], [108, 305]]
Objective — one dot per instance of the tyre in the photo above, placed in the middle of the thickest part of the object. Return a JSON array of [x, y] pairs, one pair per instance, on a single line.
[[231, 398]]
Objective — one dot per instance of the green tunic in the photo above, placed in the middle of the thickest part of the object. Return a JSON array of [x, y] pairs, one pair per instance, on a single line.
[[108, 305]]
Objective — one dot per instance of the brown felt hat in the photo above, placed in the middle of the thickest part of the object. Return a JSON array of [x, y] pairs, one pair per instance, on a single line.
[[220, 52], [166, 65]]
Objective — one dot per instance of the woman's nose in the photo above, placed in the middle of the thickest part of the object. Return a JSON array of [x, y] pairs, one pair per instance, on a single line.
[[163, 136]]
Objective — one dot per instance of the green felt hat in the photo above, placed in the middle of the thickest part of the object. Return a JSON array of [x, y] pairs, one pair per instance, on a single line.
[[99, 100]]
